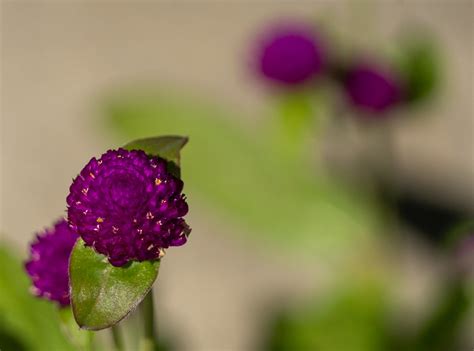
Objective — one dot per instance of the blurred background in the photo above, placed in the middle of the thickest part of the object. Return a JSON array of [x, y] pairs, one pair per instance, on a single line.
[[316, 225]]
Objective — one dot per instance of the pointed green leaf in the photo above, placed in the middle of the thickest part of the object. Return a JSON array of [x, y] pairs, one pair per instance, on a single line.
[[167, 147], [101, 294]]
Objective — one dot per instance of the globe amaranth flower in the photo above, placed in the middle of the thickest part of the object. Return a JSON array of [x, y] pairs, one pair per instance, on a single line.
[[290, 54], [372, 89], [128, 206], [48, 262]]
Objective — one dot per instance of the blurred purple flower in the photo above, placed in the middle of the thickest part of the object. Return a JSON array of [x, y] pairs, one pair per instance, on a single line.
[[48, 263], [290, 54], [371, 88], [127, 206]]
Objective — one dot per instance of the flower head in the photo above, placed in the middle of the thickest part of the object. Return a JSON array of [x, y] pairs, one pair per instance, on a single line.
[[128, 206], [372, 89], [290, 54], [48, 262]]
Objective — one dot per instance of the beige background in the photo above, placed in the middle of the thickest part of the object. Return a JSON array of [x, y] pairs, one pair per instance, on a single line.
[[57, 57]]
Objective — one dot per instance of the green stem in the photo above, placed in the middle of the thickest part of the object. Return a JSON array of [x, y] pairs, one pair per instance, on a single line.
[[148, 342], [117, 338]]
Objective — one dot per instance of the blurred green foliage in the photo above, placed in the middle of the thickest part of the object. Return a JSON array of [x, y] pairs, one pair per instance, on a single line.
[[350, 319], [421, 68], [359, 318], [443, 327], [248, 176], [26, 322], [460, 232]]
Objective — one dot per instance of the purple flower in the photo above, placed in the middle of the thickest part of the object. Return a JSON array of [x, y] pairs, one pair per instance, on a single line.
[[127, 206], [372, 89], [48, 263], [290, 54]]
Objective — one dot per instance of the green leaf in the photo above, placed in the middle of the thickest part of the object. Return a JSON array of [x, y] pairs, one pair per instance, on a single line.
[[167, 147], [101, 294]]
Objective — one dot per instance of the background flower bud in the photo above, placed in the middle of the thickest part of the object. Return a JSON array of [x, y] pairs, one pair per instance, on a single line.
[[48, 262], [290, 54]]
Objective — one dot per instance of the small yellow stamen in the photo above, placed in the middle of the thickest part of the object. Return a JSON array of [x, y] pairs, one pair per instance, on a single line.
[[92, 175], [100, 219], [85, 190], [157, 181]]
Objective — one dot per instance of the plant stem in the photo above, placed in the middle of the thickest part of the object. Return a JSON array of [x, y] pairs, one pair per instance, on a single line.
[[148, 342], [117, 337]]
